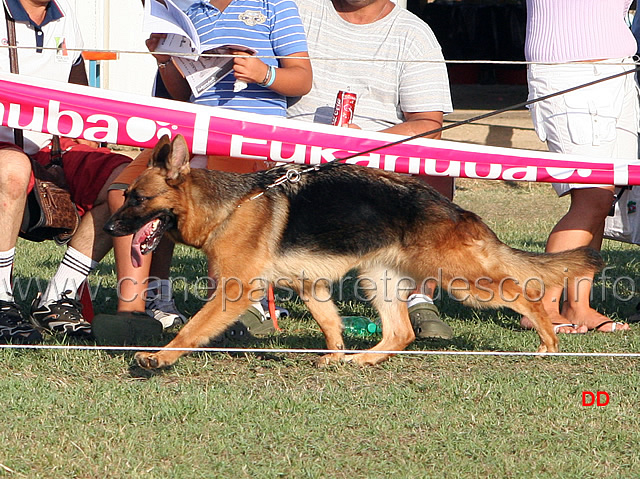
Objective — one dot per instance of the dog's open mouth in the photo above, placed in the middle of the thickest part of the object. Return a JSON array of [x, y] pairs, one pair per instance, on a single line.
[[147, 239]]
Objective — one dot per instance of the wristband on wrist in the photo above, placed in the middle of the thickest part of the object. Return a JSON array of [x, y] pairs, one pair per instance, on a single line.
[[163, 65], [269, 78], [272, 69]]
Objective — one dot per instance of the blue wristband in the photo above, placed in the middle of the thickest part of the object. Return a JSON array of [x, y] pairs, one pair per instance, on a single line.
[[272, 76]]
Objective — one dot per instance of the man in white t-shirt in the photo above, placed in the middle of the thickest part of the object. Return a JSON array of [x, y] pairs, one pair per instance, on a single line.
[[50, 47], [393, 62]]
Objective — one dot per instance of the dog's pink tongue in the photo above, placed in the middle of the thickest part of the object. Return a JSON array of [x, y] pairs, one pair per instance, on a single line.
[[136, 252]]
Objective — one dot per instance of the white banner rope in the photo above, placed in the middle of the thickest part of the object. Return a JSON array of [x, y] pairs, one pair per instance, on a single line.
[[317, 351]]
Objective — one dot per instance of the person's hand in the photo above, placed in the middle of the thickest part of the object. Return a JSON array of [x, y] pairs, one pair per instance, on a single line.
[[152, 44], [248, 68], [92, 144]]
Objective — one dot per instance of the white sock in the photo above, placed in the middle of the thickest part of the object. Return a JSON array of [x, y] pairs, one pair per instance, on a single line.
[[6, 265], [414, 299], [73, 270]]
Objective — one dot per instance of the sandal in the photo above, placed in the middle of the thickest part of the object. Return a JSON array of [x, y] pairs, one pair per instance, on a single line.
[[426, 322], [556, 327], [635, 317], [614, 326]]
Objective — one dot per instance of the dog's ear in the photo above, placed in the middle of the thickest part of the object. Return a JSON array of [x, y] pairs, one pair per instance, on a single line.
[[178, 160], [160, 153]]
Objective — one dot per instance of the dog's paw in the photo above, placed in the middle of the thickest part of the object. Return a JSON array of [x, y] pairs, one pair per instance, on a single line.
[[368, 359], [329, 359], [150, 360], [547, 349]]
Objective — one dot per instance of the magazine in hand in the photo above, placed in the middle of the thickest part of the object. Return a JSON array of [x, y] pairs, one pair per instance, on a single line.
[[206, 71], [183, 43], [164, 16]]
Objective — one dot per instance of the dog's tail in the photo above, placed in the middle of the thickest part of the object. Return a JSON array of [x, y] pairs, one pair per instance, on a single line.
[[558, 269]]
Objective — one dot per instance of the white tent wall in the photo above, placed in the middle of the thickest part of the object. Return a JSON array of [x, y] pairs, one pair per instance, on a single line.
[[116, 25]]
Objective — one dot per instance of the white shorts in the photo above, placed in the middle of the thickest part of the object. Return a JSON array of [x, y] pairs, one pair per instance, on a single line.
[[600, 120]]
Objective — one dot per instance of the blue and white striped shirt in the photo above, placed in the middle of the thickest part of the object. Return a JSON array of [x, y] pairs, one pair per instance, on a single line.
[[271, 27]]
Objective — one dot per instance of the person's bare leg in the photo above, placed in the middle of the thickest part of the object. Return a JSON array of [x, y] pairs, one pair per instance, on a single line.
[[132, 281], [14, 178], [581, 226], [14, 181]]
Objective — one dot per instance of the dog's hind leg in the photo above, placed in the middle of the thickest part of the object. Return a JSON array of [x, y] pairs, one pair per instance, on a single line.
[[542, 323], [503, 291], [391, 304]]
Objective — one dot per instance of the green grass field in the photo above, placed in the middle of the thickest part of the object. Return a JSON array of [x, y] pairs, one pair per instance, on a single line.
[[95, 414]]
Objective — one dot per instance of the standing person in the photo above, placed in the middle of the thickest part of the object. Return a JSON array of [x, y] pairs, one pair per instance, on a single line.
[[394, 96], [272, 28], [52, 30], [584, 40]]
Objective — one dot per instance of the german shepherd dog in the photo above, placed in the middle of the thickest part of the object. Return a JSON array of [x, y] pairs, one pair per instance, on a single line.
[[390, 227]]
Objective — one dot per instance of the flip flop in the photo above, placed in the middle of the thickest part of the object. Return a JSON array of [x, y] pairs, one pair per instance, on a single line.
[[556, 327], [635, 317], [614, 326]]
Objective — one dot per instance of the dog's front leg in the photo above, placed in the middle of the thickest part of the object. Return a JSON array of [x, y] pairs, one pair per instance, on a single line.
[[213, 319], [324, 311]]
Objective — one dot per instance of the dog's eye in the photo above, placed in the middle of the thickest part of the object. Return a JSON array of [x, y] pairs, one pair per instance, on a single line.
[[135, 199]]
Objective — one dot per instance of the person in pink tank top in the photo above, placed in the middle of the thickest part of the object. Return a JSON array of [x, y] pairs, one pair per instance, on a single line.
[[570, 43]]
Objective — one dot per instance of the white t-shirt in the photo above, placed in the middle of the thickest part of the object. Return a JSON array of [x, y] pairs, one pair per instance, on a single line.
[[59, 35], [383, 63]]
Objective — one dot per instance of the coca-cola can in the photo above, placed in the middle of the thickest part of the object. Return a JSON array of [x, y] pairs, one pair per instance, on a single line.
[[343, 111]]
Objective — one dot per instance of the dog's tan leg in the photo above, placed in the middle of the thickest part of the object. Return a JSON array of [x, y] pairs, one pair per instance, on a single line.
[[542, 322], [510, 294], [389, 298], [213, 319], [324, 311]]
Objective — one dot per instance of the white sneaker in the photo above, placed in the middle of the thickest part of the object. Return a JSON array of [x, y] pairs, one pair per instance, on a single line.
[[280, 312], [166, 312]]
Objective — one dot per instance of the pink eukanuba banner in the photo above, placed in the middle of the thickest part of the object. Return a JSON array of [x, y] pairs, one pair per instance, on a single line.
[[137, 120]]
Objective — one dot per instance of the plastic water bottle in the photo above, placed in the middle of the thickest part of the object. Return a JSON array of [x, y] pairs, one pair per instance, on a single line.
[[360, 326]]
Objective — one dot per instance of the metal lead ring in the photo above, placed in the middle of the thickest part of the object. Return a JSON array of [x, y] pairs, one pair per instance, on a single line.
[[293, 176]]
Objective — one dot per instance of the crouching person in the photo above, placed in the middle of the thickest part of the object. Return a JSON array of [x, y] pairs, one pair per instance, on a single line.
[[88, 170]]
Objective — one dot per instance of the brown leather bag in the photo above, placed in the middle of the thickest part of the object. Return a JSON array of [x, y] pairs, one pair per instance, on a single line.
[[49, 212]]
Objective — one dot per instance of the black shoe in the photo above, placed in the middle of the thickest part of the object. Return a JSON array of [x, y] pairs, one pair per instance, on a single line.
[[13, 327], [61, 316]]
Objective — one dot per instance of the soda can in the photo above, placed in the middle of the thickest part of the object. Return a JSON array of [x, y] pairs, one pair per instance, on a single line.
[[343, 111]]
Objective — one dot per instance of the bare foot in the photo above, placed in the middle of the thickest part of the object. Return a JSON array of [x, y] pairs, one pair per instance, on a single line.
[[558, 328], [593, 320], [612, 326]]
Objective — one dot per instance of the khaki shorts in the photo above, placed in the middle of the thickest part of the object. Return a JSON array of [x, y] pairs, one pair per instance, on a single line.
[[597, 121]]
